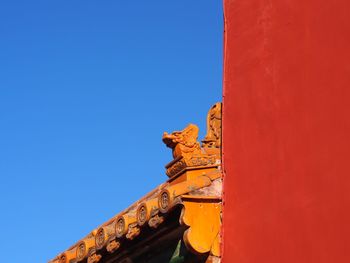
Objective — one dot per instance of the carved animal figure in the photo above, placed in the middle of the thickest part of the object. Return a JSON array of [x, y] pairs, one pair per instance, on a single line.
[[183, 143]]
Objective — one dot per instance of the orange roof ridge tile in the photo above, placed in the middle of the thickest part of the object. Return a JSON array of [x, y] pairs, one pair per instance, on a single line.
[[194, 174]]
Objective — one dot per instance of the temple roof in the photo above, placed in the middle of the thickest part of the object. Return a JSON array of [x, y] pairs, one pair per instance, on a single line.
[[183, 211]]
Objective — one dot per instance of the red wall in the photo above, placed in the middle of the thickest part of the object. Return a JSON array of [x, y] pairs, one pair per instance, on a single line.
[[286, 131]]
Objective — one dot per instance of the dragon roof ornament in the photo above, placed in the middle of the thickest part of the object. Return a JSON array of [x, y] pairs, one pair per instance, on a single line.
[[188, 153]]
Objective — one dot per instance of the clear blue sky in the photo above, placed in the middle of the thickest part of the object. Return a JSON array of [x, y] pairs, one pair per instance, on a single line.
[[86, 90]]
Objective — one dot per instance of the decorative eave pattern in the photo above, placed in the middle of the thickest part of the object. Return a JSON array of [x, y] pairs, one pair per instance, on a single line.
[[194, 185]]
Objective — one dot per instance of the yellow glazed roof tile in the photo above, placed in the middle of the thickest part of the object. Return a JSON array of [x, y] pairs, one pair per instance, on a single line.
[[194, 183]]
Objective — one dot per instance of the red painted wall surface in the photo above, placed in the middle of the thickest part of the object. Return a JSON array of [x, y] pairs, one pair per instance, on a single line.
[[286, 131]]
